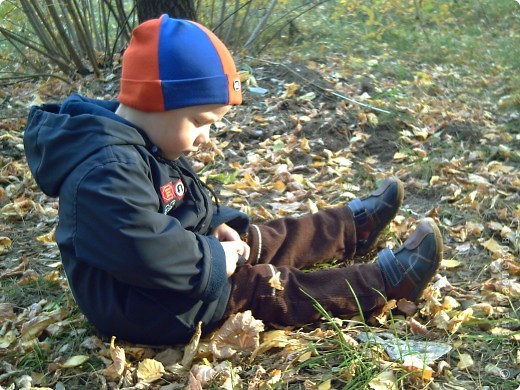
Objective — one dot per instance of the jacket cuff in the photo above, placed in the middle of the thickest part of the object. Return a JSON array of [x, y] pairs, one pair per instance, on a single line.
[[234, 218], [217, 272]]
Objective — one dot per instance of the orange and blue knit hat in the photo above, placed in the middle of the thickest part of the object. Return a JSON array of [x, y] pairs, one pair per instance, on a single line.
[[174, 63]]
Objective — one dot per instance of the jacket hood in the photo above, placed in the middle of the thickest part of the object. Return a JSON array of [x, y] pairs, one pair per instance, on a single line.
[[58, 137]]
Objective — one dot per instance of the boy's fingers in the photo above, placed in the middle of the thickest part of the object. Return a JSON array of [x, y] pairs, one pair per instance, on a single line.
[[241, 260], [247, 251]]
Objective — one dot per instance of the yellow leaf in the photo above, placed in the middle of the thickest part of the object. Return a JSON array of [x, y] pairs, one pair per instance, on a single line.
[[324, 385], [305, 356], [5, 244], [482, 308], [290, 90], [279, 185], [149, 370], [458, 319], [492, 245], [274, 339], [385, 380], [275, 281], [48, 238], [435, 179], [449, 303], [450, 263], [465, 361], [277, 338], [74, 361], [372, 119], [304, 145], [52, 276], [251, 180], [441, 320], [400, 156], [308, 96], [420, 133], [7, 338], [313, 208], [420, 152], [244, 75]]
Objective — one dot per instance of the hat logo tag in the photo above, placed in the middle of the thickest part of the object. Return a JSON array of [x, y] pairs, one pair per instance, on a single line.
[[236, 85]]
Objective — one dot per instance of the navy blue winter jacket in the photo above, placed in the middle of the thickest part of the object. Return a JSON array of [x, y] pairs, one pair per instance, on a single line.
[[133, 228]]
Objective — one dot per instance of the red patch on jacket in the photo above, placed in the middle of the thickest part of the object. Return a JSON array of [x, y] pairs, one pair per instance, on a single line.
[[172, 191]]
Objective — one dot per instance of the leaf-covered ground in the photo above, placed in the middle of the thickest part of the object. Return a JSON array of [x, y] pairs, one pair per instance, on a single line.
[[299, 144]]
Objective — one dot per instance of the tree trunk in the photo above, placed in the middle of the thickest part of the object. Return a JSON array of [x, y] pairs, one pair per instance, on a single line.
[[181, 9]]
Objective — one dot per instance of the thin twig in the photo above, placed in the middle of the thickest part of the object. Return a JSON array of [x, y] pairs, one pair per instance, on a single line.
[[34, 76], [326, 90]]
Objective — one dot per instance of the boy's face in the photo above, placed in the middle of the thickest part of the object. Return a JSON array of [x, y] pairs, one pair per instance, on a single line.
[[182, 130]]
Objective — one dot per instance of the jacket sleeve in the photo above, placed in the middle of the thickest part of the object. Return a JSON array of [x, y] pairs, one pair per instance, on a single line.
[[115, 226], [234, 218]]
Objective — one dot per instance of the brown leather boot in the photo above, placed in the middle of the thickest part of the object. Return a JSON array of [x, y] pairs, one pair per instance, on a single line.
[[410, 268], [374, 212]]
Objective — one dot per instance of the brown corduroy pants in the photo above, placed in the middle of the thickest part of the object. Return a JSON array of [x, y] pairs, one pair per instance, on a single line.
[[286, 246]]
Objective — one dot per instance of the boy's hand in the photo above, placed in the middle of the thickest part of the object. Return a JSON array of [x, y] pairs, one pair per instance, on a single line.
[[225, 233], [233, 250]]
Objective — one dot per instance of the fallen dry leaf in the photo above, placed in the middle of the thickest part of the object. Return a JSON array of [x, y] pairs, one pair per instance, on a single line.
[[416, 366], [450, 263], [482, 308], [406, 307], [169, 356], [35, 326], [7, 338], [74, 361], [193, 382], [507, 287], [493, 246], [240, 333], [385, 380], [272, 339], [441, 320], [149, 370], [48, 238], [416, 327], [465, 361], [6, 312], [16, 270], [5, 244], [497, 371], [458, 319], [275, 281], [28, 276], [202, 373], [118, 356], [290, 90], [505, 264], [449, 303]]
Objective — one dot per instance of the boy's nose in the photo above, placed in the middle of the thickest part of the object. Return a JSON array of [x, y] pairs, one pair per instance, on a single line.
[[203, 137]]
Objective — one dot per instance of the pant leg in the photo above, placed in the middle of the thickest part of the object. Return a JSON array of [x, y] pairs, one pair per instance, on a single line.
[[291, 306], [304, 241]]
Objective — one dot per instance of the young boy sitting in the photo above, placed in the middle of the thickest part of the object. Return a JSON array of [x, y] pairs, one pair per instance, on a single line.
[[147, 254]]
